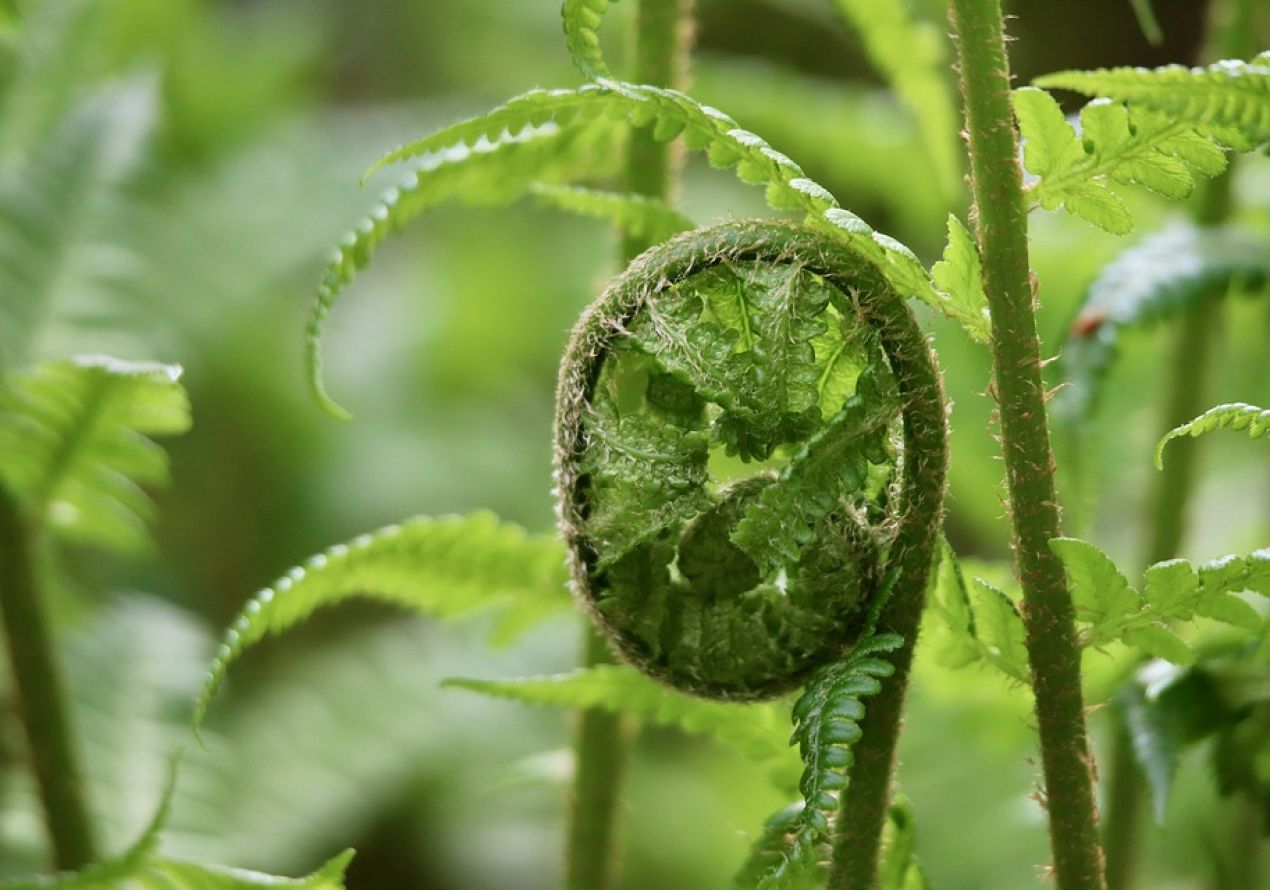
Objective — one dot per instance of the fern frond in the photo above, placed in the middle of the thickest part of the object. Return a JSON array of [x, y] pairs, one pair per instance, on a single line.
[[776, 863], [492, 173], [1232, 96], [74, 446], [1235, 416], [1156, 279], [638, 215], [444, 567], [1110, 609], [826, 724], [911, 55], [582, 20], [985, 627], [900, 869], [755, 729], [1116, 144], [959, 276]]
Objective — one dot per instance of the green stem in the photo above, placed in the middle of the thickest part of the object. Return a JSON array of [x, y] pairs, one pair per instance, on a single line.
[[1053, 650], [662, 34], [1125, 790], [42, 700]]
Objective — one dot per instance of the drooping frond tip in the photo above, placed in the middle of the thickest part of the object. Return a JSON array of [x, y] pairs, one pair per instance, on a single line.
[[1235, 416], [582, 20], [444, 567]]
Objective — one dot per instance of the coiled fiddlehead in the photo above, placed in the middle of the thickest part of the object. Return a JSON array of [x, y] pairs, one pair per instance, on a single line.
[[755, 343]]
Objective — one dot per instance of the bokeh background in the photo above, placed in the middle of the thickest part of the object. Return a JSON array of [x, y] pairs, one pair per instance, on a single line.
[[188, 165]]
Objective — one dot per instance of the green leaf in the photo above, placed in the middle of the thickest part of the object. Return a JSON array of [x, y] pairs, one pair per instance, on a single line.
[[74, 446], [900, 869], [912, 56], [1230, 94], [638, 215], [1117, 144], [950, 602], [1001, 629], [1156, 279], [1235, 416], [582, 20], [775, 862], [444, 567], [959, 278], [1101, 594], [755, 729], [1144, 12]]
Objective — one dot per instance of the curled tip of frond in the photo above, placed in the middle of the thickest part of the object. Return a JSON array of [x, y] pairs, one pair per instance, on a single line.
[[1234, 415]]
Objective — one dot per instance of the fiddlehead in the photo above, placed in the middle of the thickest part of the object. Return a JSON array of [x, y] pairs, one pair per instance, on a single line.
[[747, 343]]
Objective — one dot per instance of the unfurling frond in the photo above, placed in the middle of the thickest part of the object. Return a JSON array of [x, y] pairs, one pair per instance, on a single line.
[[1235, 416], [826, 724], [582, 20], [442, 567], [1229, 100], [74, 444], [756, 730], [912, 56], [1110, 609], [1158, 278], [638, 215], [1117, 144]]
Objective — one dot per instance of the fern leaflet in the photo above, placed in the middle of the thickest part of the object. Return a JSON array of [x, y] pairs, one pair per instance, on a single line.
[[985, 627], [826, 724], [637, 215], [959, 276], [445, 567], [1230, 99], [757, 730], [1173, 590], [73, 435], [1116, 144], [582, 20], [1155, 279], [771, 863], [1235, 416], [911, 55]]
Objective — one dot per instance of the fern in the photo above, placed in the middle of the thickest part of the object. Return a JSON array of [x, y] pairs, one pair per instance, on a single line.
[[74, 447], [142, 866], [1110, 609], [911, 55], [1235, 416], [826, 723], [756, 730], [985, 627], [900, 868], [1155, 279], [1229, 100], [1116, 144], [444, 567], [959, 276], [637, 215], [671, 114], [582, 19], [771, 863]]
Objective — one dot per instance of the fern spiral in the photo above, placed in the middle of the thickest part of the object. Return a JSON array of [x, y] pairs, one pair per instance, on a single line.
[[733, 491]]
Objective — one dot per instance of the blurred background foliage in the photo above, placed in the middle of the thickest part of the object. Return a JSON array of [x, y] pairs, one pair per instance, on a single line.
[[172, 175]]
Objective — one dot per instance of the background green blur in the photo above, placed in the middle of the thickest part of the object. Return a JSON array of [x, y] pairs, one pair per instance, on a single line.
[[237, 134]]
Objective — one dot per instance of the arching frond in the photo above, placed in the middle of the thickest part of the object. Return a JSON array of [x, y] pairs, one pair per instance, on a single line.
[[74, 446], [582, 20], [442, 567], [912, 56], [1230, 99], [755, 729], [1156, 279], [1235, 416]]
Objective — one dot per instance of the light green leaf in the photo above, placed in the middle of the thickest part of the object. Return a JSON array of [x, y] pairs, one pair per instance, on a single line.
[[1235, 416], [758, 730], [443, 567], [1160, 642], [582, 20], [74, 444], [959, 278], [1001, 629], [1102, 595]]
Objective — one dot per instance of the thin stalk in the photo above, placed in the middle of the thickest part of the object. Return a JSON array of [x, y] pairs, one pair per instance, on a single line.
[[41, 695], [662, 36], [1048, 614]]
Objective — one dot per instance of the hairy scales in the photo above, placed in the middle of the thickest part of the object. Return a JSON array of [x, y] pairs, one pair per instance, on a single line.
[[727, 455]]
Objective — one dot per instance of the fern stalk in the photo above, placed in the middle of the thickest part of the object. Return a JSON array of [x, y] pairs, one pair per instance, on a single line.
[[662, 32], [1053, 653], [43, 703]]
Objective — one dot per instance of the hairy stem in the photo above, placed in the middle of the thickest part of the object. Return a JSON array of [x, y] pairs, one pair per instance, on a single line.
[[42, 700], [1053, 652], [662, 34]]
